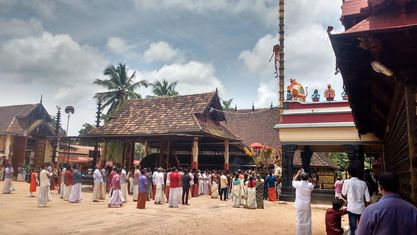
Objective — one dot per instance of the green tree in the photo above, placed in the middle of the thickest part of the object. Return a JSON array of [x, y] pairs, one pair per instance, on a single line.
[[227, 104], [121, 87], [87, 127], [340, 159], [164, 88]]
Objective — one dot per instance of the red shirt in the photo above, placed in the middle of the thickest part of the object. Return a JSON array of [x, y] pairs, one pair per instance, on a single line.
[[68, 178], [174, 179], [334, 221]]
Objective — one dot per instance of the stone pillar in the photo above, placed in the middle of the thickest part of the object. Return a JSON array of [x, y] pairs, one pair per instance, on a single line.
[[306, 158], [194, 164], [287, 165], [226, 155], [287, 191], [356, 158]]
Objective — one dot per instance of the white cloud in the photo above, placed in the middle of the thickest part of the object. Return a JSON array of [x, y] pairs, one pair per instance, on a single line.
[[265, 9], [53, 65], [309, 58], [257, 59], [193, 77], [118, 45], [265, 95], [160, 51], [20, 28]]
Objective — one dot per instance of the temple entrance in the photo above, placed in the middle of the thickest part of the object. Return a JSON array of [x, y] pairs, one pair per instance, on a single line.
[[326, 127]]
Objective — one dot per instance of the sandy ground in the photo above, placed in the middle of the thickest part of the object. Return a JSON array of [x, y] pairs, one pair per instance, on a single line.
[[19, 214]]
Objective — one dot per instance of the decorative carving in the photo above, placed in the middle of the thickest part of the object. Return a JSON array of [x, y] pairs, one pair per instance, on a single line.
[[306, 158], [297, 91]]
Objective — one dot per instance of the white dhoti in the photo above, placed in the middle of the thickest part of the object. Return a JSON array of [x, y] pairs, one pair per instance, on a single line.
[[61, 190], [103, 191], [8, 186], [76, 195], [303, 221], [135, 192], [67, 192], [251, 201], [174, 197], [116, 198], [131, 185], [96, 191], [159, 194], [20, 177], [200, 187], [123, 189], [179, 195], [236, 195], [43, 196]]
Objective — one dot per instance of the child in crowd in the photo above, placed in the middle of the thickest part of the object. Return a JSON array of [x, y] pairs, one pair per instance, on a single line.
[[333, 218]]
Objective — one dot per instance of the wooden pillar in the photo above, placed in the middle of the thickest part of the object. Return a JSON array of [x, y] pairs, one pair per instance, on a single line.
[[8, 146], [226, 155], [411, 102], [169, 153], [131, 155], [146, 150], [194, 164]]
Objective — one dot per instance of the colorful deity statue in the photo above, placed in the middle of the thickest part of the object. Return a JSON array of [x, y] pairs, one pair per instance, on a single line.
[[289, 96], [297, 91], [329, 93], [315, 97]]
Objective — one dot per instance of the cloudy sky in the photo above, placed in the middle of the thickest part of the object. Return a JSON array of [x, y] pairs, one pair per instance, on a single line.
[[58, 47]]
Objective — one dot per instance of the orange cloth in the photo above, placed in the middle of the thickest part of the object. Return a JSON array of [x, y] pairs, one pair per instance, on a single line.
[[33, 183], [141, 201], [272, 195], [153, 191], [195, 190]]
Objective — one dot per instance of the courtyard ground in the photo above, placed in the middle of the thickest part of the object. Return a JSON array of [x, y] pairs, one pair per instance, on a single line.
[[19, 214]]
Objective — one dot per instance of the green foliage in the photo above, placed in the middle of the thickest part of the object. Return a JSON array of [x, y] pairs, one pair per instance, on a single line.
[[120, 86], [340, 159], [114, 151], [227, 104], [164, 88], [87, 127]]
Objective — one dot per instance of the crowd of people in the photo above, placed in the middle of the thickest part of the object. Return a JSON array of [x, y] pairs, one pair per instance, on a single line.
[[246, 189]]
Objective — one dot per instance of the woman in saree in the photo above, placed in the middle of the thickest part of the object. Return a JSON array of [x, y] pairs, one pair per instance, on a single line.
[[214, 186], [251, 199], [237, 189], [259, 192]]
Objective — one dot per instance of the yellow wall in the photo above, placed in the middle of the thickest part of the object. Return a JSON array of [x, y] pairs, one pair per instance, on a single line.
[[321, 134]]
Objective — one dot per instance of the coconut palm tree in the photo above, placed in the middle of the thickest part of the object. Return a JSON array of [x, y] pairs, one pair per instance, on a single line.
[[227, 104], [120, 86], [164, 88]]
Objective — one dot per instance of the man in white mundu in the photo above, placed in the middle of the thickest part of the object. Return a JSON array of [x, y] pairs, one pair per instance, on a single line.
[[43, 197], [302, 203]]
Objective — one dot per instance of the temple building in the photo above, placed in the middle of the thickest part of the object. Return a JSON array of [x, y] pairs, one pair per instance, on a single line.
[[186, 130], [23, 135], [376, 55]]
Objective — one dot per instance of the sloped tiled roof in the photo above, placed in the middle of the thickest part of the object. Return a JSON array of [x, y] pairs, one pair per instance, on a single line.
[[254, 126], [164, 116], [353, 7], [9, 117], [317, 160]]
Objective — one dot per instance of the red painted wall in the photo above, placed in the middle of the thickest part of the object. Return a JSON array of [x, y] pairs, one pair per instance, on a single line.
[[317, 118]]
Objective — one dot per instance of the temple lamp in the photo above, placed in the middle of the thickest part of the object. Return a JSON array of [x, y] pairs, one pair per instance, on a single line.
[[68, 110]]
